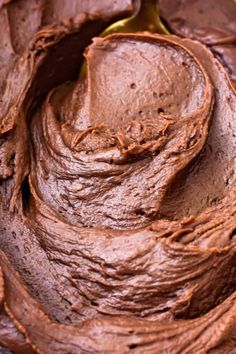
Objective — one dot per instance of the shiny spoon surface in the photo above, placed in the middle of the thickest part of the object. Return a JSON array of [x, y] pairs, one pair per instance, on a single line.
[[146, 19]]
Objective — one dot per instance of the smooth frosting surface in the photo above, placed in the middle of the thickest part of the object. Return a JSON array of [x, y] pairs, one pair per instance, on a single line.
[[117, 190], [211, 22]]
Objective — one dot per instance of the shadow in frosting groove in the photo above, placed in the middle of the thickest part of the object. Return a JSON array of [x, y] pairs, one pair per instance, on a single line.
[[117, 194]]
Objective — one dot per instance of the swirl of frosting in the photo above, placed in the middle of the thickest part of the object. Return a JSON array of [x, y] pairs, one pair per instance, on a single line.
[[117, 191], [211, 22], [108, 146]]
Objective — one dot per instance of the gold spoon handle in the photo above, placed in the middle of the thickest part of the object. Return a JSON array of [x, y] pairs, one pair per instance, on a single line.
[[147, 19]]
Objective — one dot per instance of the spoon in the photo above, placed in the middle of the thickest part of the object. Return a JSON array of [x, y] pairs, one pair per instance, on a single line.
[[146, 19]]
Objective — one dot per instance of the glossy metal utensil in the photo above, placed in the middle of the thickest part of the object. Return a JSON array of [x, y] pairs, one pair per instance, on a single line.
[[147, 18]]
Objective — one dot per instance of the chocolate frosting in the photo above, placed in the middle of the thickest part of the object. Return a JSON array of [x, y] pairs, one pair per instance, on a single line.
[[212, 22], [117, 190]]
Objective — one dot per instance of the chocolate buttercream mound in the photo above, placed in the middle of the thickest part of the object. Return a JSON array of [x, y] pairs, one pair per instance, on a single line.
[[117, 193], [212, 22]]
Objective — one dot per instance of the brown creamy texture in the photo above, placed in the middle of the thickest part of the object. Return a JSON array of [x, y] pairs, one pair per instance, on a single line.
[[212, 22], [117, 191]]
